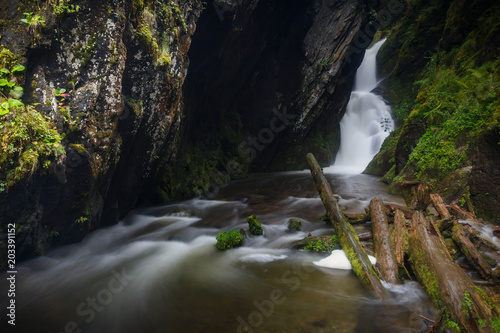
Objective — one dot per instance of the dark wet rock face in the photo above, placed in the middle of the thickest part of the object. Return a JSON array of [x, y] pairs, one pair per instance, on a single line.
[[484, 179], [122, 66], [280, 72], [277, 71]]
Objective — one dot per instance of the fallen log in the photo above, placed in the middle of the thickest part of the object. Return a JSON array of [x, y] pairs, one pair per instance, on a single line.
[[407, 211], [384, 253], [461, 303], [461, 213], [353, 249], [461, 238], [446, 223], [399, 236], [438, 203]]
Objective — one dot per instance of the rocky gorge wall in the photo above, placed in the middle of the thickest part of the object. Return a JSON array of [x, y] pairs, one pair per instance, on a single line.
[[442, 75], [121, 119], [268, 82]]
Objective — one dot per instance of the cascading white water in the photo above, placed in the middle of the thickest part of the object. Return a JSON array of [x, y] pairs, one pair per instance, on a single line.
[[367, 121]]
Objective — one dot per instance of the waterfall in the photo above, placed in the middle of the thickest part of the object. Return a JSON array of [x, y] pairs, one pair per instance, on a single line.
[[367, 121]]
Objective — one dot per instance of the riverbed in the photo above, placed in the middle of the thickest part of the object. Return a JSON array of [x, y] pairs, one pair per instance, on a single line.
[[158, 270]]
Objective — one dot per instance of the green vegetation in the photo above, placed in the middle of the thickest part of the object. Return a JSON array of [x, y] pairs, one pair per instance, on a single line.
[[34, 22], [28, 140], [443, 76], [62, 7], [495, 324], [85, 52], [321, 245], [255, 226], [457, 107], [229, 240], [157, 29], [9, 88], [81, 220]]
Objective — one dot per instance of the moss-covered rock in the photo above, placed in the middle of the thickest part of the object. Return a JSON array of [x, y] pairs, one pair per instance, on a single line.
[[255, 226], [229, 240], [294, 224], [324, 243]]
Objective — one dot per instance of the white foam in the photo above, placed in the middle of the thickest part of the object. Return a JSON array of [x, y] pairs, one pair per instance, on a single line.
[[262, 258], [338, 260]]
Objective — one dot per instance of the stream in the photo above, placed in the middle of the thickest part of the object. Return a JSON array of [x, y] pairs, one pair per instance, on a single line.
[[159, 270]]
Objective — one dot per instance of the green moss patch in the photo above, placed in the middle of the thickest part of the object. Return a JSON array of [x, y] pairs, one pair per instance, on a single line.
[[229, 240], [255, 226]]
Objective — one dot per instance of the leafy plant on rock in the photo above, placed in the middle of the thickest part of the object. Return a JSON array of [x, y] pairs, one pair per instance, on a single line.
[[33, 22]]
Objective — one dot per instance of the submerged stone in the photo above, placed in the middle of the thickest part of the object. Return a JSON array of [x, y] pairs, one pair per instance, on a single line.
[[295, 224]]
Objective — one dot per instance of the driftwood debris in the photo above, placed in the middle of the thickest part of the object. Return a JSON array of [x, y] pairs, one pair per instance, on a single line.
[[407, 211], [386, 260], [419, 194], [347, 236], [463, 306], [438, 203], [461, 213], [451, 289], [461, 238]]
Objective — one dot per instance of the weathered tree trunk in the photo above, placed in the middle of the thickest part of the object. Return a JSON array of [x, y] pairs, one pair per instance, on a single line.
[[383, 250], [399, 236], [447, 284], [461, 237], [438, 203], [345, 232]]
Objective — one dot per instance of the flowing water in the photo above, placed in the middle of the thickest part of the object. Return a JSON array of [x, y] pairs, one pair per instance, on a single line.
[[367, 121], [159, 270]]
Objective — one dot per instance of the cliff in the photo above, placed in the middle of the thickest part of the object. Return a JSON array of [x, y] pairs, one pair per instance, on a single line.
[[111, 105], [442, 75]]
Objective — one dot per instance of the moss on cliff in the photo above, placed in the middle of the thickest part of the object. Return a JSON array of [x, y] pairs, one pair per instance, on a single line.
[[443, 69], [29, 141]]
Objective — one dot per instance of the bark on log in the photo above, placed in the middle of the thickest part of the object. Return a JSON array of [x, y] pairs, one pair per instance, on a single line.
[[438, 203], [399, 236], [407, 211], [446, 223], [461, 238], [347, 236], [410, 183], [447, 284], [384, 253], [421, 197], [461, 213]]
